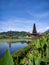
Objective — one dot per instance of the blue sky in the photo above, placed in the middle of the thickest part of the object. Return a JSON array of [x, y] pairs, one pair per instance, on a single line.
[[20, 15]]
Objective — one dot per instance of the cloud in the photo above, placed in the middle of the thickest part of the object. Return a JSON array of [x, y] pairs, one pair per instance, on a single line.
[[22, 25], [16, 25], [39, 15], [47, 28]]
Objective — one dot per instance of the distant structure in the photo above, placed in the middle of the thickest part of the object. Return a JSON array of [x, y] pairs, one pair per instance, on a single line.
[[34, 29], [34, 32]]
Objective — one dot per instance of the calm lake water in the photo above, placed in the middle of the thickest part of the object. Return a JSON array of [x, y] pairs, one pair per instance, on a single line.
[[11, 46]]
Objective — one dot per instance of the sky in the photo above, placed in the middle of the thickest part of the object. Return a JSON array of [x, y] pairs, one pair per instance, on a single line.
[[20, 15]]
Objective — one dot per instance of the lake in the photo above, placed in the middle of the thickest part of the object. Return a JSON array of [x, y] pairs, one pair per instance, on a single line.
[[12, 46]]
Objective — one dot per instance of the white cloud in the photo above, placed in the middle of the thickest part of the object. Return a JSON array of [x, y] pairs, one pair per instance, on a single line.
[[47, 28], [16, 25], [39, 15], [22, 25]]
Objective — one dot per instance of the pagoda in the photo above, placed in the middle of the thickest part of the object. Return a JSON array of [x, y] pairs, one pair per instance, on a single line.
[[34, 32]]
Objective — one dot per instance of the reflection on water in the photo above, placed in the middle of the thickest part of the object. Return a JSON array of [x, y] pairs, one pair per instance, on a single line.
[[11, 46]]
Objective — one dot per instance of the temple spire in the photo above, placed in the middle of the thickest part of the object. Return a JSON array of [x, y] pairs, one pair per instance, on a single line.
[[34, 29]]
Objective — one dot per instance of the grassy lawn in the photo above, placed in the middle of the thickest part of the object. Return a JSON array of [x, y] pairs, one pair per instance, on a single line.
[[15, 40]]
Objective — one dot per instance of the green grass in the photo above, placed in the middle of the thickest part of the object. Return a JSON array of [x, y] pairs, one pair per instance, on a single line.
[[15, 40]]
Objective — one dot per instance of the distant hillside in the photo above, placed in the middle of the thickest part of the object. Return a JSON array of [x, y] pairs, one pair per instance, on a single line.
[[13, 34], [46, 31]]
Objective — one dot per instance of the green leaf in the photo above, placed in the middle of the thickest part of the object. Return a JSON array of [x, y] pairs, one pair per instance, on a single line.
[[23, 60], [7, 59], [30, 56], [30, 62], [47, 52], [38, 60]]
